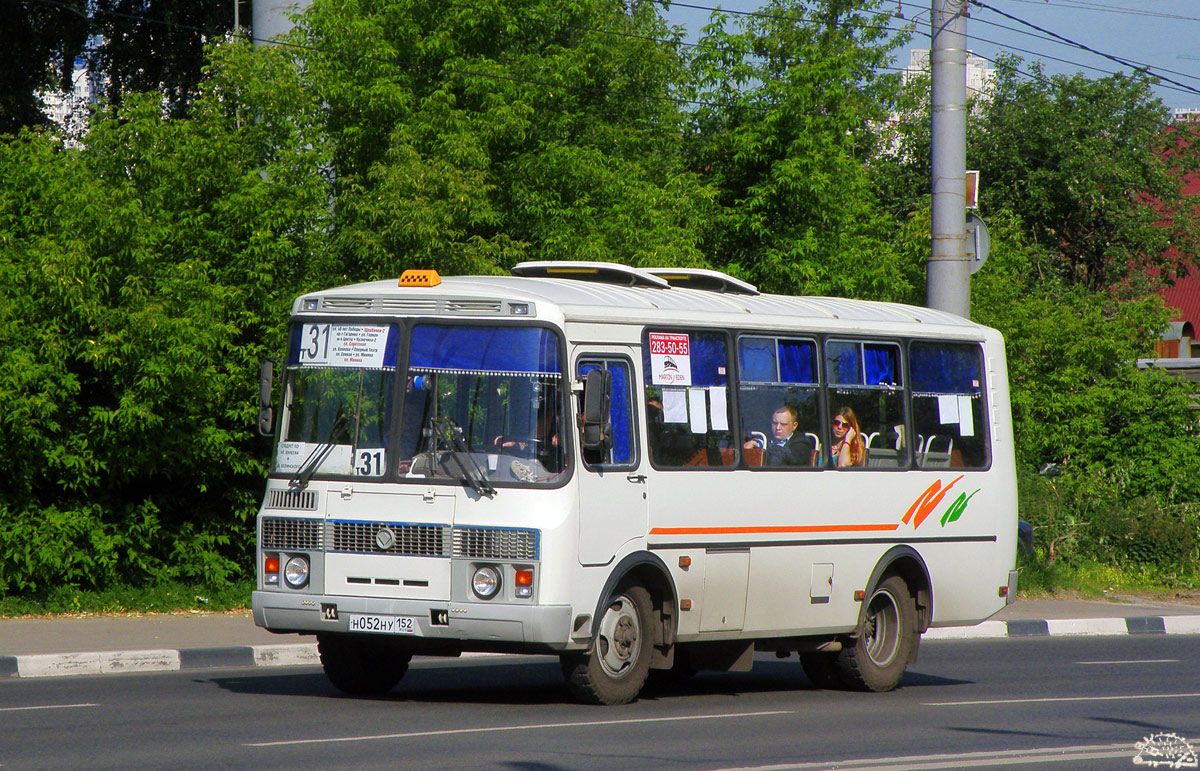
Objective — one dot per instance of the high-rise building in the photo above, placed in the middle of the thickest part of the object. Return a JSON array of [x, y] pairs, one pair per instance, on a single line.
[[71, 110]]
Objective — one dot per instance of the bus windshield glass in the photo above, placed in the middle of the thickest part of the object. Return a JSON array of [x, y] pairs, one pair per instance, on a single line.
[[483, 404], [339, 400]]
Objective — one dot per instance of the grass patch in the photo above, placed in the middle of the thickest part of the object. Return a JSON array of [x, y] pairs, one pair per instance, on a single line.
[[159, 598], [1091, 580]]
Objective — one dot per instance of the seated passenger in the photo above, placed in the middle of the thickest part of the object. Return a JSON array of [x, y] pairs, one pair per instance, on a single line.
[[847, 449], [786, 447]]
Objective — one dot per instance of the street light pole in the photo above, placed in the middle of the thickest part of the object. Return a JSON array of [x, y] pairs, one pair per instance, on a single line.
[[948, 271]]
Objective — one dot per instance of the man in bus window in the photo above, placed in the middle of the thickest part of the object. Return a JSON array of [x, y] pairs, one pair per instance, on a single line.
[[786, 446]]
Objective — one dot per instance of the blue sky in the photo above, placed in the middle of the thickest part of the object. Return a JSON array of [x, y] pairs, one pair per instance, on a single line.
[[1161, 34]]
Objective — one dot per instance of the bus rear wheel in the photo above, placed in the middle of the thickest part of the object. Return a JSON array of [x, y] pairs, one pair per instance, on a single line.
[[362, 665], [881, 651], [615, 670]]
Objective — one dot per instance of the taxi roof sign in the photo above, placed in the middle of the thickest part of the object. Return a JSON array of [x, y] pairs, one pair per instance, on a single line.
[[419, 278]]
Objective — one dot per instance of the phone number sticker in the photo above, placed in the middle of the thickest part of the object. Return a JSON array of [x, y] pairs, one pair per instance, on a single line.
[[670, 359]]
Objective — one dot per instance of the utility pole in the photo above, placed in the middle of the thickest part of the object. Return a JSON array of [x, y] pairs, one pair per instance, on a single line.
[[948, 272]]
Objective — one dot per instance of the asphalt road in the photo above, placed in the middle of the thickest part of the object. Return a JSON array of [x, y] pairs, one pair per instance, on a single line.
[[1073, 703]]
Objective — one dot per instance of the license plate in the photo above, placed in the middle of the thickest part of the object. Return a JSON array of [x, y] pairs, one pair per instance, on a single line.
[[382, 624]]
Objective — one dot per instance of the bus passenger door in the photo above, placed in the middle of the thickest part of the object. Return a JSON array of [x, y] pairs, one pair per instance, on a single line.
[[612, 489]]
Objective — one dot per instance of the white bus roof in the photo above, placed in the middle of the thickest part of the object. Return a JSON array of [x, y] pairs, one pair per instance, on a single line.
[[620, 294]]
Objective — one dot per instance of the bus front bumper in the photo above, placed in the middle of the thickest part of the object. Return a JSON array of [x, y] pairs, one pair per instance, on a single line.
[[469, 624]]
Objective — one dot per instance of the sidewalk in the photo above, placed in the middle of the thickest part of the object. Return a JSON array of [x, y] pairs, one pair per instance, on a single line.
[[91, 645]]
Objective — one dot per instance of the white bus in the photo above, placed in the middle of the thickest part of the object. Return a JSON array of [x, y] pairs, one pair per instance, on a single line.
[[635, 470]]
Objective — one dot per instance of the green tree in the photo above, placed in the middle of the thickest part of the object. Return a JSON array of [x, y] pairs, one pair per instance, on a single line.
[[469, 138], [156, 46], [141, 280], [40, 42], [1094, 175], [790, 102], [1078, 399]]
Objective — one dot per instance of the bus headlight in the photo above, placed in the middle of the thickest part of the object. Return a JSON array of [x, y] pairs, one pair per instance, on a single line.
[[295, 572], [486, 582]]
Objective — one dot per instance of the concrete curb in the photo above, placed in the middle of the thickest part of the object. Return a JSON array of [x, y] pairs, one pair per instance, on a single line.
[[305, 654], [1061, 627], [119, 662]]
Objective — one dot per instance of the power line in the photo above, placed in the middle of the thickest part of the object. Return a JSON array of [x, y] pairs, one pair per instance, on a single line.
[[1109, 9], [1089, 49]]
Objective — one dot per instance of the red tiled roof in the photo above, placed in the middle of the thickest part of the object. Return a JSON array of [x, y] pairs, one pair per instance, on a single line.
[[1185, 297]]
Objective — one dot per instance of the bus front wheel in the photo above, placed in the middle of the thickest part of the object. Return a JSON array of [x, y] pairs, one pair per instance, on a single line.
[[876, 660], [362, 665], [616, 668]]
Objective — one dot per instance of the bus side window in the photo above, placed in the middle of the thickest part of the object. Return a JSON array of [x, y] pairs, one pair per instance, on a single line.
[[949, 416], [687, 399], [623, 451], [777, 403], [867, 378]]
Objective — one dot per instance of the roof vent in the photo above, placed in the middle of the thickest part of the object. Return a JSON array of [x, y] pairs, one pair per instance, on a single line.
[[602, 272], [699, 278]]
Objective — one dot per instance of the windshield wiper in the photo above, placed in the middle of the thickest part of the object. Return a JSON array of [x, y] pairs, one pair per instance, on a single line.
[[472, 473], [299, 480]]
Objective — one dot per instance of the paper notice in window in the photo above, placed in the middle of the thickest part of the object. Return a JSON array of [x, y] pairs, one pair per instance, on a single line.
[[696, 407], [948, 408], [717, 409], [966, 419], [674, 405]]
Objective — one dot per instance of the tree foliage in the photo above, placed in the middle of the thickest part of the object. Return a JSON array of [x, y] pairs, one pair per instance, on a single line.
[[1083, 162], [469, 138], [140, 283], [145, 274], [156, 46], [134, 46], [40, 42], [783, 133]]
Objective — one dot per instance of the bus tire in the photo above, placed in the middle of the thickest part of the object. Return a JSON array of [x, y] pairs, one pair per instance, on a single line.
[[821, 669], [362, 665], [876, 660], [615, 669]]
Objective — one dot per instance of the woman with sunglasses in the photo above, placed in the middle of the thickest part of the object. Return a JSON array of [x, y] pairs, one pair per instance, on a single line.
[[847, 449]]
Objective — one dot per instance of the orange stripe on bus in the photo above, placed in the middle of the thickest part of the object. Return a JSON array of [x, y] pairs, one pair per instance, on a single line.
[[779, 529]]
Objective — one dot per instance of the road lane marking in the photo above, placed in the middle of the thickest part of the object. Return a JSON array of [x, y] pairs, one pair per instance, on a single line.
[[1131, 661], [535, 727], [965, 759], [1050, 699], [46, 706]]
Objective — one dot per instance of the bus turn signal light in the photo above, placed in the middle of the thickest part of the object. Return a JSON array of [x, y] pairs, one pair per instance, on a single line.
[[419, 278], [271, 569], [523, 581]]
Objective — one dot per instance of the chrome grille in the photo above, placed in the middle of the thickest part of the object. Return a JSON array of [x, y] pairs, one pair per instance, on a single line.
[[345, 303], [281, 533], [300, 500], [495, 543], [415, 540], [408, 305], [473, 306]]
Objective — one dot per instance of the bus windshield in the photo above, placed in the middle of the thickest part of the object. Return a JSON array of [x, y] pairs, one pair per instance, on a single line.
[[339, 400], [483, 404]]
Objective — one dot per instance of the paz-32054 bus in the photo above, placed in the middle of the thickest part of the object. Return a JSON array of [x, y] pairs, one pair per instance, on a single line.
[[633, 470]]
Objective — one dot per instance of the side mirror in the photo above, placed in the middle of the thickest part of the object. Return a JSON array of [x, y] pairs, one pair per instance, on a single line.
[[266, 416], [596, 421]]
